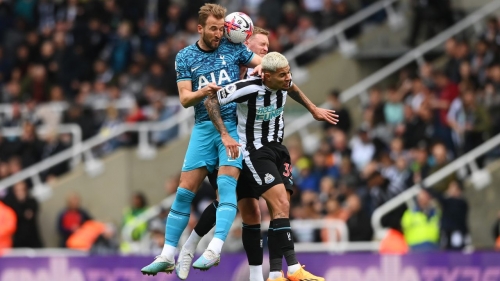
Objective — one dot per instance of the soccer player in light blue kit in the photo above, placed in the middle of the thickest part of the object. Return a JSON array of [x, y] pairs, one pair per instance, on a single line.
[[201, 69]]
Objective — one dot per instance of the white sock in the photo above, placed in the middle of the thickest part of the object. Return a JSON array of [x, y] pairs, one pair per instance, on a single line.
[[215, 245], [168, 252], [192, 242], [256, 273], [275, 275], [293, 268]]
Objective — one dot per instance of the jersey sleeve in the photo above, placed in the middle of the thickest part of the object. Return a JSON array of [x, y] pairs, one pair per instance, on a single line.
[[244, 54], [239, 91], [182, 69]]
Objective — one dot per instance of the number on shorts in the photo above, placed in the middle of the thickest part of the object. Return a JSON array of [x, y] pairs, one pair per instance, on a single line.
[[288, 170]]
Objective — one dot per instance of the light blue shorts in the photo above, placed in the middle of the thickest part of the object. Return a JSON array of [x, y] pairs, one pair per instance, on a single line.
[[205, 148]]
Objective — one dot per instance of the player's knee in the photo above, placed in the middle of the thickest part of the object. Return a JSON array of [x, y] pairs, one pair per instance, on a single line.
[[281, 208], [229, 171]]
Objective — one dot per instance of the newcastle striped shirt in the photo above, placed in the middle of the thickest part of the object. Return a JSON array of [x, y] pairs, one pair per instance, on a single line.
[[259, 111]]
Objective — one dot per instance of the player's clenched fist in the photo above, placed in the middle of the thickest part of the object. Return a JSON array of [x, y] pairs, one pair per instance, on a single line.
[[210, 89]]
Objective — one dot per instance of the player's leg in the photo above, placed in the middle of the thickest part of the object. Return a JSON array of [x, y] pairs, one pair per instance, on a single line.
[[207, 219], [205, 223], [229, 172], [252, 236], [200, 158], [225, 215], [278, 200], [177, 221]]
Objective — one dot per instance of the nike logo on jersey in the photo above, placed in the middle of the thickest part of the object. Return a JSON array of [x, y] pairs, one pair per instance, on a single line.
[[193, 69]]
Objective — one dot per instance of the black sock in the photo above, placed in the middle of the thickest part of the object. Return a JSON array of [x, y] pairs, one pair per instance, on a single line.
[[207, 219], [252, 242], [284, 240], [275, 253]]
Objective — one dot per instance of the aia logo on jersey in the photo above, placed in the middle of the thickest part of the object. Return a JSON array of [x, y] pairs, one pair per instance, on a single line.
[[223, 78]]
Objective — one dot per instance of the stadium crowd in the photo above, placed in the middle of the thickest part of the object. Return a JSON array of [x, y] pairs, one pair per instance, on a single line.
[[93, 53]]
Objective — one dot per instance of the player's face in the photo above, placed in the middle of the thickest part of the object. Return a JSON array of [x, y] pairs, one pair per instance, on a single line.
[[259, 44], [280, 79], [212, 32]]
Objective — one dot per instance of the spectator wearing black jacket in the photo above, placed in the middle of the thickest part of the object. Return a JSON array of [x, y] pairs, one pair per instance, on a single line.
[[26, 207], [454, 229]]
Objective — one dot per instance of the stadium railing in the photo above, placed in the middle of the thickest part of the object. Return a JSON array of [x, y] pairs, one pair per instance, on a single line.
[[73, 129], [478, 177]]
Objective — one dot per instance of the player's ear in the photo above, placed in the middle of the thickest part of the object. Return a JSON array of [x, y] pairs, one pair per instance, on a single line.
[[200, 29]]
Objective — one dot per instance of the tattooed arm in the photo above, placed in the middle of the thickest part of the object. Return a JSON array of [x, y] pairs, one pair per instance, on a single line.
[[319, 114], [213, 108]]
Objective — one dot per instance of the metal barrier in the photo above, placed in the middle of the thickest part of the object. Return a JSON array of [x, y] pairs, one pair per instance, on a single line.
[[466, 159]]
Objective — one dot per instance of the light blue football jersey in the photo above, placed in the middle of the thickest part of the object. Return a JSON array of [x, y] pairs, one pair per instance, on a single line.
[[220, 66]]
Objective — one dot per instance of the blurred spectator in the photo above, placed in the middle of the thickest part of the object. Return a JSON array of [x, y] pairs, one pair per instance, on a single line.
[[454, 229], [138, 206], [362, 148], [8, 222], [358, 222], [440, 159], [421, 224], [107, 242], [496, 232], [340, 110], [435, 15], [26, 208], [71, 218], [448, 91], [393, 108], [29, 147], [53, 145]]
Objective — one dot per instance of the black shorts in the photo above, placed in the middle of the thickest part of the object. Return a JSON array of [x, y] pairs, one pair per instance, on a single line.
[[264, 168]]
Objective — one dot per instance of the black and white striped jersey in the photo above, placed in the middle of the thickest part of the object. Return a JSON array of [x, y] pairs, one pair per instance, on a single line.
[[259, 111]]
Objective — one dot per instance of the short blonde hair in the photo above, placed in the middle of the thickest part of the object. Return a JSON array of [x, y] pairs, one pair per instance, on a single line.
[[259, 30], [210, 9], [273, 61]]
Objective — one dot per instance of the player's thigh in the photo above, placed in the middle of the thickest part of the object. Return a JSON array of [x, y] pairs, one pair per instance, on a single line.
[[224, 159], [249, 209], [191, 180], [202, 149]]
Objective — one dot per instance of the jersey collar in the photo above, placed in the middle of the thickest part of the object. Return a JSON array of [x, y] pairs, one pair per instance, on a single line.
[[199, 48]]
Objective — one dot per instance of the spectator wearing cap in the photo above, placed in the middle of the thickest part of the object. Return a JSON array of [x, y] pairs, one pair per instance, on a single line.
[[421, 224], [454, 229]]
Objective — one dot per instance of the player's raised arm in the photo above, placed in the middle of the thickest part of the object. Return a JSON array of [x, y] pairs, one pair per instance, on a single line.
[[319, 114], [189, 98]]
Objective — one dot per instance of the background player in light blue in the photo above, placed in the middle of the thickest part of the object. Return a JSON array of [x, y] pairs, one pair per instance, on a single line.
[[201, 69]]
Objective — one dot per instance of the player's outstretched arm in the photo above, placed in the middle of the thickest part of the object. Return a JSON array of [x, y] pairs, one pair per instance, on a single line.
[[213, 109], [320, 114], [189, 98]]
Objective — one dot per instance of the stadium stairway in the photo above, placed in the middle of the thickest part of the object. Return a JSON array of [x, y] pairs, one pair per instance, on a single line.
[[484, 208]]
